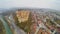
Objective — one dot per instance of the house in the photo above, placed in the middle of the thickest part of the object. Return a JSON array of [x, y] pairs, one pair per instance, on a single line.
[[22, 15]]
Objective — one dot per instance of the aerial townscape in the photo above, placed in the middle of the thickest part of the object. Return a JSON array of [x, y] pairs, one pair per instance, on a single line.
[[30, 21]]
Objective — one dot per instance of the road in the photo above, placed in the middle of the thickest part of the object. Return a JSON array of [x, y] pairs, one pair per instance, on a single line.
[[17, 30]]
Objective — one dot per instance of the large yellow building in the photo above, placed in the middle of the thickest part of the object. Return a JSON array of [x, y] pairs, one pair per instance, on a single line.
[[22, 15]]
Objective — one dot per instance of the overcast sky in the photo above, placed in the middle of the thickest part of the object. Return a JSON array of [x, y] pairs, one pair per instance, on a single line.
[[53, 4]]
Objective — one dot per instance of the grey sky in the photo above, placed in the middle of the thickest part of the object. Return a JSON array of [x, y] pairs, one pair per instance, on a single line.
[[53, 4]]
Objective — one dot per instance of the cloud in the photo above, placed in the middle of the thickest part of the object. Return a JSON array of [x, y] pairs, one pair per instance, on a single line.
[[24, 3], [30, 3]]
